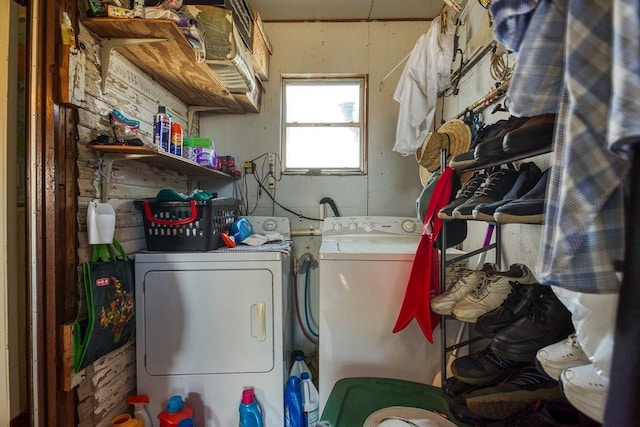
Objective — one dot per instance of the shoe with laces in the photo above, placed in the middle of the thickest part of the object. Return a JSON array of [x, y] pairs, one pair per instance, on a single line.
[[467, 190], [489, 294], [516, 394], [585, 390], [484, 368], [466, 281], [494, 188], [546, 321], [555, 358], [511, 310]]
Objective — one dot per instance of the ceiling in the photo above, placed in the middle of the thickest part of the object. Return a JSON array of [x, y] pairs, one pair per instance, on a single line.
[[346, 10]]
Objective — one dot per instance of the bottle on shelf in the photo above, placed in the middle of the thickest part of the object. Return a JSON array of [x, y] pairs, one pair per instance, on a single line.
[[175, 146], [161, 129], [250, 412], [293, 405], [299, 366], [310, 401]]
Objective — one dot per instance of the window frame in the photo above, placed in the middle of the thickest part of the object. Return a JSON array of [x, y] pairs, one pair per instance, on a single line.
[[360, 79]]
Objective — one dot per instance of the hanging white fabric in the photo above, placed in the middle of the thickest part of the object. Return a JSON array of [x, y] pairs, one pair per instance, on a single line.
[[426, 73]]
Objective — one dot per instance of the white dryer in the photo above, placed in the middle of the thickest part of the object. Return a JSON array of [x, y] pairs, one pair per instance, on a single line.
[[209, 324], [364, 269]]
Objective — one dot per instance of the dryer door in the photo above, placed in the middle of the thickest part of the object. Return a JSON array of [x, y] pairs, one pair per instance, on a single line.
[[208, 321]]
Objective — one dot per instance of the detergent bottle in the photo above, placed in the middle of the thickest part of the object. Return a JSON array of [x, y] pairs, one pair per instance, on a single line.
[[125, 420], [139, 411], [240, 230], [293, 403], [310, 401], [176, 414], [299, 366], [250, 412]]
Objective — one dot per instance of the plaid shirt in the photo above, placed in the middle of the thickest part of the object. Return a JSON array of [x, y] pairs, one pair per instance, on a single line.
[[584, 225], [510, 20]]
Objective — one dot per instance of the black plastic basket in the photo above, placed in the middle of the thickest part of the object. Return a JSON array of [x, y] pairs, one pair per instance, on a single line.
[[187, 226]]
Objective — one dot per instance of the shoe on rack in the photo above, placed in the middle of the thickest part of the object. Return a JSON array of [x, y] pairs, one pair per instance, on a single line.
[[546, 321], [528, 209], [489, 294], [529, 174], [463, 161], [585, 390], [454, 387], [514, 395], [490, 149], [511, 310], [555, 358], [466, 282], [544, 414], [484, 368], [459, 410], [467, 190], [494, 188], [536, 133]]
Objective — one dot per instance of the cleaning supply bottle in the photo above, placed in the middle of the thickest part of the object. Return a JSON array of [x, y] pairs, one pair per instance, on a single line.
[[240, 230], [293, 416], [176, 414], [161, 129], [250, 412], [139, 411], [175, 147], [310, 401], [299, 366], [125, 420]]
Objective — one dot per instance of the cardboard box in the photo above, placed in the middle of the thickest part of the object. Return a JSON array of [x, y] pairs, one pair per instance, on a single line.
[[262, 49], [251, 101]]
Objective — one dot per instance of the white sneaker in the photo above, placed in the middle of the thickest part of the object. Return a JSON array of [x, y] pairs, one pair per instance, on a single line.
[[490, 293], [585, 390], [565, 354], [466, 281]]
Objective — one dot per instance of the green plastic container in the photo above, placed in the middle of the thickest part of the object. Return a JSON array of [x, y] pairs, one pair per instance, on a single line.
[[352, 400]]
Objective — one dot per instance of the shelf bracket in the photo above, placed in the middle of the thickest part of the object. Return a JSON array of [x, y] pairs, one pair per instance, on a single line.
[[107, 44], [106, 167], [193, 109]]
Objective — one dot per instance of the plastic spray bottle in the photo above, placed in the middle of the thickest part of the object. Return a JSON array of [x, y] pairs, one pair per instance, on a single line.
[[175, 147], [250, 412], [310, 401], [139, 411]]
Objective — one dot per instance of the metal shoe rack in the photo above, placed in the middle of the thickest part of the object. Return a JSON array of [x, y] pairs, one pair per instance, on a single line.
[[444, 262]]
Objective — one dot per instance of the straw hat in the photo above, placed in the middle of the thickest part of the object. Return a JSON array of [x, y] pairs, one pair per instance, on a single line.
[[394, 416], [455, 133]]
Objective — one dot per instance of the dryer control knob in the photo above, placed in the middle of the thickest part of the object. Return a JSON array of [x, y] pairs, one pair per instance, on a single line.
[[353, 226], [367, 227], [270, 225], [337, 226], [409, 226]]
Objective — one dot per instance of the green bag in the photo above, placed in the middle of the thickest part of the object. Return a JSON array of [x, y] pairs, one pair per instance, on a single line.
[[108, 282]]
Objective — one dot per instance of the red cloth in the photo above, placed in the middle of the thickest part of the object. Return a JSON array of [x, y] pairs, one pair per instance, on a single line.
[[424, 279]]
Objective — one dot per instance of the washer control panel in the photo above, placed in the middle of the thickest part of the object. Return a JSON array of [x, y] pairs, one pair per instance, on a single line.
[[271, 224], [371, 225]]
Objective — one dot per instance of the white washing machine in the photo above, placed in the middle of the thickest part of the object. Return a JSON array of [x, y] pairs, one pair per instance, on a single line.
[[209, 324], [364, 269]]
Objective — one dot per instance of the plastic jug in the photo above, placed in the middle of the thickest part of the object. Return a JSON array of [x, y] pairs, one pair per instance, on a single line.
[[299, 366], [293, 403], [139, 411], [125, 420], [176, 414], [250, 413], [310, 401]]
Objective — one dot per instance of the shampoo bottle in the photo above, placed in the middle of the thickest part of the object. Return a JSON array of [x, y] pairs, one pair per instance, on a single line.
[[250, 413]]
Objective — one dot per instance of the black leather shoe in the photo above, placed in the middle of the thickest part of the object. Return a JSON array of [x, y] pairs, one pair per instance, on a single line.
[[463, 161], [497, 184], [491, 149], [511, 310], [536, 133], [529, 174], [484, 368], [528, 209], [546, 321]]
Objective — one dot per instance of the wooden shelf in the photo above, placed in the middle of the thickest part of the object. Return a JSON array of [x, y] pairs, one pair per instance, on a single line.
[[160, 158], [169, 59]]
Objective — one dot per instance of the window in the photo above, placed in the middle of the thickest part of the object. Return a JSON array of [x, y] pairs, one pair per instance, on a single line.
[[323, 124]]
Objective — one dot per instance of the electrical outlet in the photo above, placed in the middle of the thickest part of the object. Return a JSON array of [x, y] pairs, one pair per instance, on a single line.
[[271, 182], [271, 160]]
